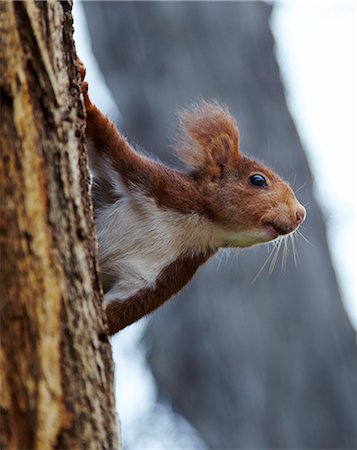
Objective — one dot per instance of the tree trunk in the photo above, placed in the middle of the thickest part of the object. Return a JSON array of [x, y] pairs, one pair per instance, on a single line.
[[56, 364], [271, 364]]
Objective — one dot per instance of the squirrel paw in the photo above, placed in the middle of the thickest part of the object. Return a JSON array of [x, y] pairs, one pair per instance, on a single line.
[[84, 85], [82, 69]]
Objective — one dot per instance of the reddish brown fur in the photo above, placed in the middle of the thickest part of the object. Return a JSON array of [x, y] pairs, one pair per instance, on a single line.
[[201, 190], [216, 187]]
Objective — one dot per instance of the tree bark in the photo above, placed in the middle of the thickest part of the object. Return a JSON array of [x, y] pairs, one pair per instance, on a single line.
[[56, 364]]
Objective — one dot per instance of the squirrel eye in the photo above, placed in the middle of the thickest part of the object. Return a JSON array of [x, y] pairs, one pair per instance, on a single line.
[[258, 180]]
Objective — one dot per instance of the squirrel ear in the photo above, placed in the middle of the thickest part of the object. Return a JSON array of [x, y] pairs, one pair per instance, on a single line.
[[210, 138]]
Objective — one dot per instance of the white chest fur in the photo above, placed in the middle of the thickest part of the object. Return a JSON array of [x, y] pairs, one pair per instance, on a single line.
[[137, 240]]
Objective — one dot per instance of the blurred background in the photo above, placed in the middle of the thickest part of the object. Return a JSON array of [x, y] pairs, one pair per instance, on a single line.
[[231, 363]]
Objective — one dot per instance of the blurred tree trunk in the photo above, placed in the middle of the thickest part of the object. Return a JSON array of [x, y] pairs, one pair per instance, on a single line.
[[56, 365], [271, 364]]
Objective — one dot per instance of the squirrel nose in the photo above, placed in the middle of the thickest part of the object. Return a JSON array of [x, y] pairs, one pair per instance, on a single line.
[[300, 215]]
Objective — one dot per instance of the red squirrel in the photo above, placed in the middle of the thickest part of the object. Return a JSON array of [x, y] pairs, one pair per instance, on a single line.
[[156, 225]]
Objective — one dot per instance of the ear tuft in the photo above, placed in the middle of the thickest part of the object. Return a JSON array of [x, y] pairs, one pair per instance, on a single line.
[[210, 140]]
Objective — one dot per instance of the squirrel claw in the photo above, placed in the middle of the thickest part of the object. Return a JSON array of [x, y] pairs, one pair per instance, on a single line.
[[84, 88], [82, 69], [84, 85]]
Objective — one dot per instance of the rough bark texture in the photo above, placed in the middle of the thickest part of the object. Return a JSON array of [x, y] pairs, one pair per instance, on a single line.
[[56, 365], [266, 365]]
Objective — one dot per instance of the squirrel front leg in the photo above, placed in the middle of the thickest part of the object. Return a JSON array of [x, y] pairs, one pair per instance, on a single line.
[[173, 278]]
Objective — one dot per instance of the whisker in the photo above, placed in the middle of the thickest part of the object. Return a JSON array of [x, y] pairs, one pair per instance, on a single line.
[[227, 255], [303, 185], [295, 252], [291, 239], [293, 183], [236, 258], [265, 263], [275, 257], [285, 254], [220, 257], [272, 258], [305, 238]]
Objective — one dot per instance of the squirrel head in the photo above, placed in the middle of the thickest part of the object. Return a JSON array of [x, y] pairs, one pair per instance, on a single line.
[[248, 203]]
